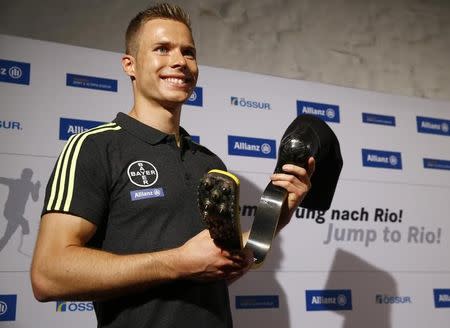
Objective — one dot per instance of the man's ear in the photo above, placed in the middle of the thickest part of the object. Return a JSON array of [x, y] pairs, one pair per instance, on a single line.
[[129, 65]]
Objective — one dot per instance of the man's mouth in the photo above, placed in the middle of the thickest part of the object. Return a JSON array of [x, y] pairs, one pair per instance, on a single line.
[[176, 80]]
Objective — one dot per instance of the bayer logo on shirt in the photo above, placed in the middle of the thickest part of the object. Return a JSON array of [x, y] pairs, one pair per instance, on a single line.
[[142, 173]]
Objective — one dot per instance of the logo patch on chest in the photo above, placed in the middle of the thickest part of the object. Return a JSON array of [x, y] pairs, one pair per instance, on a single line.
[[146, 193], [142, 173]]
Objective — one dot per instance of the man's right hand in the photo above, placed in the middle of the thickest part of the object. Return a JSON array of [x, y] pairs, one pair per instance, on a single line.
[[203, 260]]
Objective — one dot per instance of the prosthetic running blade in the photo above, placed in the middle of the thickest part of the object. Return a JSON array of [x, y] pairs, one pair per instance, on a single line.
[[307, 136], [218, 193]]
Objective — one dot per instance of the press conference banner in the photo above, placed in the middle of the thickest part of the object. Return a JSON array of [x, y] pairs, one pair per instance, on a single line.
[[378, 258]]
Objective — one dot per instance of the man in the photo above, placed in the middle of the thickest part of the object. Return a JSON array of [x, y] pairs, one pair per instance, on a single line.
[[120, 224]]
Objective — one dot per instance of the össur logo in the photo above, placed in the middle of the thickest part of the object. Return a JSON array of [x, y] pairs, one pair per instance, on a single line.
[[326, 112], [378, 119], [328, 300], [433, 125], [196, 98], [142, 173], [70, 126], [441, 298], [14, 72], [8, 305], [382, 159], [63, 306], [252, 104], [389, 299], [91, 82], [253, 147], [257, 302], [10, 125]]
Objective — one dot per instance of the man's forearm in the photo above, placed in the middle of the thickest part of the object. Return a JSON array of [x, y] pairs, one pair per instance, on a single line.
[[80, 273]]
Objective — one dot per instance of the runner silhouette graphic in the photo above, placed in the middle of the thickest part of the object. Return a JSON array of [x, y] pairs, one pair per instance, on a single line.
[[19, 192]]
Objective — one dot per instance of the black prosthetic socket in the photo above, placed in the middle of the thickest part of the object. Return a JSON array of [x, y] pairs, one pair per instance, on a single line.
[[298, 144], [314, 138], [218, 202]]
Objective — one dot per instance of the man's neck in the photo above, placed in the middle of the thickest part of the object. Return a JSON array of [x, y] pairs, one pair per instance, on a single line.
[[163, 119]]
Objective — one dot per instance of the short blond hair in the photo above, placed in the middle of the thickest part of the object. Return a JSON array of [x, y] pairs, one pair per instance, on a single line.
[[161, 10]]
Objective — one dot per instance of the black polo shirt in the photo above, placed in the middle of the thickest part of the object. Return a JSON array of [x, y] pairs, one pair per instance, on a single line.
[[139, 188]]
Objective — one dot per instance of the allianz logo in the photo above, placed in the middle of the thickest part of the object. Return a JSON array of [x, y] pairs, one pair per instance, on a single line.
[[329, 112], [444, 298], [264, 148], [75, 129], [153, 192], [193, 96], [444, 127], [242, 102], [388, 299], [392, 160], [3, 307], [13, 72], [341, 300]]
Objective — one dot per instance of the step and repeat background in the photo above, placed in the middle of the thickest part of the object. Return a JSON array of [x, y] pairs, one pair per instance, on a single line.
[[378, 258]]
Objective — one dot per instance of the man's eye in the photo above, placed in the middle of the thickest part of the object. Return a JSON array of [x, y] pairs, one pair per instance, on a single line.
[[162, 50], [189, 53]]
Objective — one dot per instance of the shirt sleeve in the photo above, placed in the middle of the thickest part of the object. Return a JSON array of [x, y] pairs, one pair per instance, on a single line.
[[78, 184], [219, 163]]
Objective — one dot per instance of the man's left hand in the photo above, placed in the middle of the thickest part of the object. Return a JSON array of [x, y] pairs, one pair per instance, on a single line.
[[297, 182]]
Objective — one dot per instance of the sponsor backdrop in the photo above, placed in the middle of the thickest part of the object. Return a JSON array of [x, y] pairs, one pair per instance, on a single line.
[[377, 258]]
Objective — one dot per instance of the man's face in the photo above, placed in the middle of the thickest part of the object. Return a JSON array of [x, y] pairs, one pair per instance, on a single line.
[[166, 67]]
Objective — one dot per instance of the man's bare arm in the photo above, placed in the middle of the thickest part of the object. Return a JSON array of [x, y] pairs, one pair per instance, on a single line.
[[64, 268]]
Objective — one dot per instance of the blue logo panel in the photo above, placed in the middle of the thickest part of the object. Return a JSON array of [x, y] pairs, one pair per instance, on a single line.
[[378, 119], [70, 126], [195, 139], [257, 302], [433, 126], [382, 159], [441, 298], [146, 193], [14, 72], [252, 147], [8, 304], [438, 164], [326, 112], [91, 82], [196, 98], [328, 300]]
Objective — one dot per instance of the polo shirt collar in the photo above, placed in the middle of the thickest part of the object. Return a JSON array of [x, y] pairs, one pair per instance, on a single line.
[[147, 133]]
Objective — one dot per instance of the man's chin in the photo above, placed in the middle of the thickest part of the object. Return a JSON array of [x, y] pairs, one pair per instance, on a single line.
[[177, 98], [174, 103]]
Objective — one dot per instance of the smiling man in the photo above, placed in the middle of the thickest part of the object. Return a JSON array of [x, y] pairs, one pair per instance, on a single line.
[[120, 223]]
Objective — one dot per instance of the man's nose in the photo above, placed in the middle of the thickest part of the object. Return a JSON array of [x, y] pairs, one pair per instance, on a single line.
[[177, 58]]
